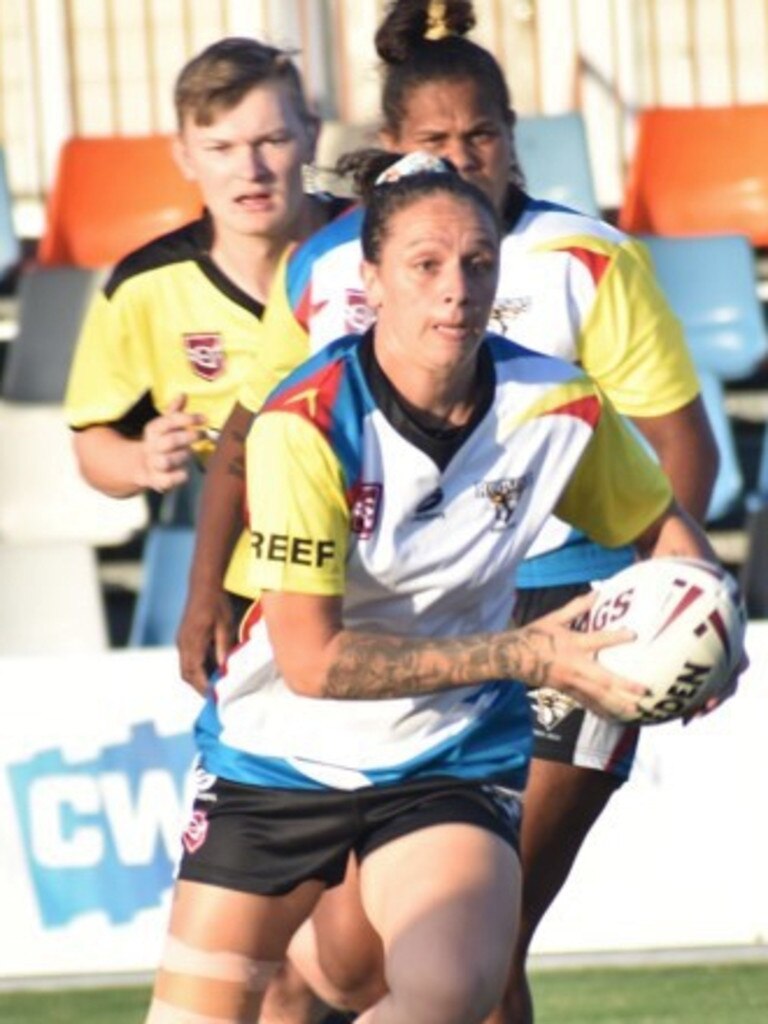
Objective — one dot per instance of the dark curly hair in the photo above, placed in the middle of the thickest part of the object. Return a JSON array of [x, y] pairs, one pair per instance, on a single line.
[[411, 59], [382, 201]]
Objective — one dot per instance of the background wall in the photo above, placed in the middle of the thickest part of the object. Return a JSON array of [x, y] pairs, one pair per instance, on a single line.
[[81, 67]]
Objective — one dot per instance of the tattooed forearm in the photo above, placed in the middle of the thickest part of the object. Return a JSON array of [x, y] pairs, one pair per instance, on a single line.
[[369, 667]]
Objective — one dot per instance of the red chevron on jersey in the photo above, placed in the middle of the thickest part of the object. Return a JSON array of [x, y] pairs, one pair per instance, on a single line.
[[312, 397], [587, 408], [596, 262]]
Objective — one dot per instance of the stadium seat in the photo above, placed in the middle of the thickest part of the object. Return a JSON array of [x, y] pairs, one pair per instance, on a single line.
[[699, 170], [166, 562], [110, 195], [10, 249], [554, 154], [754, 571], [43, 497], [51, 304], [711, 283], [729, 483], [50, 599]]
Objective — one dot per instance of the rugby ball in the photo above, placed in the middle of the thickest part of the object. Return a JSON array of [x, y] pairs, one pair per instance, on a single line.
[[689, 624]]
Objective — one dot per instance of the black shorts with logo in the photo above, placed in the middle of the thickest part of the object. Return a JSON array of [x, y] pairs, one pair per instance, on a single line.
[[267, 841], [562, 730]]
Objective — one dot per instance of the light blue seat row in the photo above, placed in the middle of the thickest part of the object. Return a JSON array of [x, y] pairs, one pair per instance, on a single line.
[[51, 305], [754, 573], [711, 283], [10, 249], [554, 155], [166, 561], [729, 483]]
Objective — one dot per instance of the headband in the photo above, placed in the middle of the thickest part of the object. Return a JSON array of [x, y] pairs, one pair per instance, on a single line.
[[412, 163]]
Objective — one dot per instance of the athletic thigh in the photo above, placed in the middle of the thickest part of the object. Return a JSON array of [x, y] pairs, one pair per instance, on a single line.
[[338, 951], [210, 917], [223, 948], [349, 949], [445, 900]]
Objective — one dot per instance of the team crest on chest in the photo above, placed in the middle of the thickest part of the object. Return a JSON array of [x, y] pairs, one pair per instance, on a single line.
[[358, 315], [504, 495], [364, 509], [552, 707], [506, 311], [205, 353]]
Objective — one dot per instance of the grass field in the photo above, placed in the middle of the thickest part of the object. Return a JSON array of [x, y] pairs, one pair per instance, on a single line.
[[711, 994]]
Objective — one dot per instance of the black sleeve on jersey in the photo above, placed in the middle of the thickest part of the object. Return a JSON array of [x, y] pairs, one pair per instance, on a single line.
[[131, 424]]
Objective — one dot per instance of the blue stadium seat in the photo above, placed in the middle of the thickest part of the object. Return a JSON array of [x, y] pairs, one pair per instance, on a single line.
[[754, 571], [165, 563], [728, 491], [729, 484], [554, 155], [710, 282], [10, 249], [51, 306]]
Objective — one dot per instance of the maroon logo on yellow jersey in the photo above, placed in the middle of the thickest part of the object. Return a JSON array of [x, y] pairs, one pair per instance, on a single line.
[[358, 315], [205, 353], [365, 506]]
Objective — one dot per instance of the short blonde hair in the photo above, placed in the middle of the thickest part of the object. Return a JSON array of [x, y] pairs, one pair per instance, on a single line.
[[221, 75]]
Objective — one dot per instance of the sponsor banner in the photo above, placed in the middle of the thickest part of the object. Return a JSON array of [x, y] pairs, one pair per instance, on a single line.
[[95, 785], [95, 782]]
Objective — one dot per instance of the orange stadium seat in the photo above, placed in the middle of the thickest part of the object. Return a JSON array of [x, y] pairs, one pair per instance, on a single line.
[[112, 194], [699, 170]]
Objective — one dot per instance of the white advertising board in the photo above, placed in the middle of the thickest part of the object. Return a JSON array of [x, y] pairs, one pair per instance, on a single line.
[[95, 756]]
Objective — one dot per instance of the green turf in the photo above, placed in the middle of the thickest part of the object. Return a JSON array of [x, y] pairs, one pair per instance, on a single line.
[[712, 994], [707, 994]]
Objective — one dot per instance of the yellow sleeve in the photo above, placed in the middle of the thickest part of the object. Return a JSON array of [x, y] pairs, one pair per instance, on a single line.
[[297, 510], [285, 342], [110, 368], [616, 490], [631, 342]]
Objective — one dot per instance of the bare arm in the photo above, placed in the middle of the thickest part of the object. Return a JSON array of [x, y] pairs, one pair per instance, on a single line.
[[687, 451], [337, 663], [122, 466], [675, 533], [207, 627], [334, 662]]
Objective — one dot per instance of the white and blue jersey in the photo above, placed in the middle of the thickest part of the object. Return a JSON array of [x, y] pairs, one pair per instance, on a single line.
[[419, 536], [569, 286]]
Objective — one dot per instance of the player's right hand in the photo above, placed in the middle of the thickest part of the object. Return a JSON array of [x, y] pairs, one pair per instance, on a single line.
[[206, 635], [566, 659], [167, 445]]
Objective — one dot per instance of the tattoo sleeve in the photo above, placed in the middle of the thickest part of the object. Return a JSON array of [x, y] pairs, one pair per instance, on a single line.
[[369, 667]]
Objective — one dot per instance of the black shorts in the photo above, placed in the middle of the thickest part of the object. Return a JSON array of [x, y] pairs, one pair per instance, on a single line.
[[562, 730], [267, 841]]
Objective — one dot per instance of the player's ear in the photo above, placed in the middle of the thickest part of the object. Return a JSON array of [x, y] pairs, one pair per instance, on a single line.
[[369, 273], [312, 124], [181, 157]]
